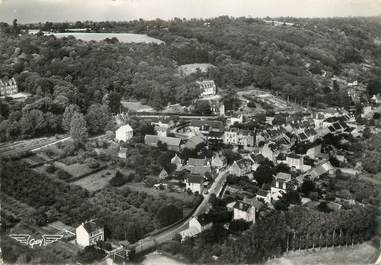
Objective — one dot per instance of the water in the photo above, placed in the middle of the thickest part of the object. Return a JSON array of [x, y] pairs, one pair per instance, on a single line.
[[122, 37]]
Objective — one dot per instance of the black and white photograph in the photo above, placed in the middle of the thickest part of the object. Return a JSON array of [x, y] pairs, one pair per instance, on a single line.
[[190, 132]]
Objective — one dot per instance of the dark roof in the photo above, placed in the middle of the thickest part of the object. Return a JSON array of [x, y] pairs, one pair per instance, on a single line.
[[336, 125], [262, 193], [200, 170], [292, 155], [243, 206], [195, 179], [211, 125], [91, 226], [331, 128], [303, 136], [216, 134], [242, 163], [196, 162]]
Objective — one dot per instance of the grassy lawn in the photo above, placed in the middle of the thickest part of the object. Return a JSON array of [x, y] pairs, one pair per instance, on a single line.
[[96, 181], [75, 170], [154, 192], [360, 254], [136, 106]]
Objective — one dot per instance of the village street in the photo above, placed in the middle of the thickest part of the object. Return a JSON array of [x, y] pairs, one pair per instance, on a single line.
[[151, 241]]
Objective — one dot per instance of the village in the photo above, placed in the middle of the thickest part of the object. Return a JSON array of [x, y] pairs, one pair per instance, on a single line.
[[250, 161]]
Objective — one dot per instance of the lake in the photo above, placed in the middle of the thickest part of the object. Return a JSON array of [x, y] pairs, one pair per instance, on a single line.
[[122, 37]]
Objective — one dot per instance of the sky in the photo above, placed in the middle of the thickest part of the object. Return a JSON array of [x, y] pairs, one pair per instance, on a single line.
[[27, 11]]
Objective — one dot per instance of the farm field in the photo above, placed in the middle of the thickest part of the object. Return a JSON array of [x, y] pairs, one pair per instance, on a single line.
[[96, 181], [360, 254], [15, 208]]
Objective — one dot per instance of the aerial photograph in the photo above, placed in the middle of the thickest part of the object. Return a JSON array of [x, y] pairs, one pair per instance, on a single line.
[[189, 132]]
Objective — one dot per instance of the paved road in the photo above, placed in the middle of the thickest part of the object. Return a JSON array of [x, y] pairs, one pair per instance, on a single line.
[[151, 241]]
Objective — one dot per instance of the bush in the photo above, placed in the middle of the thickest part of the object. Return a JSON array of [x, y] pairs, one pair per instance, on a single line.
[[92, 163], [169, 214], [90, 254], [120, 179], [51, 169], [62, 174]]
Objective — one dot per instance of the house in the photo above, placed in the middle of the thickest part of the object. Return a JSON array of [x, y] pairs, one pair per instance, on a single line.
[[321, 169], [89, 233], [282, 183], [194, 141], [295, 161], [201, 170], [243, 138], [217, 161], [241, 167], [196, 225], [122, 153], [314, 151], [176, 160], [207, 87], [376, 99], [192, 162], [244, 211], [217, 108], [270, 151], [163, 174], [161, 128], [263, 195], [195, 183], [233, 120], [124, 133], [8, 87], [172, 143]]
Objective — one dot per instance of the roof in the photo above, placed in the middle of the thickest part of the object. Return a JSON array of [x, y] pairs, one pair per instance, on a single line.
[[200, 170], [195, 179], [242, 206], [242, 163], [283, 176], [254, 202], [91, 226], [125, 128], [262, 193], [176, 159], [154, 139], [292, 155], [194, 141], [196, 162], [212, 125]]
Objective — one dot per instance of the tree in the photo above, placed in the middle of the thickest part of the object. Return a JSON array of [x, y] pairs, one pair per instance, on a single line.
[[374, 87], [307, 187], [68, 115], [97, 117], [90, 254], [169, 214], [202, 107], [264, 174], [78, 129]]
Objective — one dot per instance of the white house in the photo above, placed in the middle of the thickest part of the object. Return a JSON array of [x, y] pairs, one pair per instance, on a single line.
[[208, 88], [295, 161], [244, 211], [197, 224], [124, 133], [176, 160], [195, 183], [282, 181], [89, 233]]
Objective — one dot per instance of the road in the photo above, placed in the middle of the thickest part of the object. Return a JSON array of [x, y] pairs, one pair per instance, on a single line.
[[152, 241]]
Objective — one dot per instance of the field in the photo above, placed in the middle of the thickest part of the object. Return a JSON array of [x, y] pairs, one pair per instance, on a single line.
[[15, 208], [75, 170], [96, 181], [188, 69], [136, 106], [361, 254]]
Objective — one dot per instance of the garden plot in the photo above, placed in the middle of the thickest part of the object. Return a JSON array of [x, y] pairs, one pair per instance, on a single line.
[[96, 181]]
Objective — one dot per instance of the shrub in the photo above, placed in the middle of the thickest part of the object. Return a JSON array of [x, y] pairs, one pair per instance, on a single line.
[[92, 163], [51, 168], [62, 174]]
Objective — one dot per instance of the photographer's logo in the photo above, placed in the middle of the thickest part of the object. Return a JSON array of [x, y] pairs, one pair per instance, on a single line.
[[31, 242]]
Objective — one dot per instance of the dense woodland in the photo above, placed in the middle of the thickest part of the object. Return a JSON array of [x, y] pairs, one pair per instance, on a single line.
[[289, 60]]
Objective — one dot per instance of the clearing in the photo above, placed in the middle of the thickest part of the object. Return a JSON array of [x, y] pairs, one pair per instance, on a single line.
[[188, 69], [96, 181], [136, 106]]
